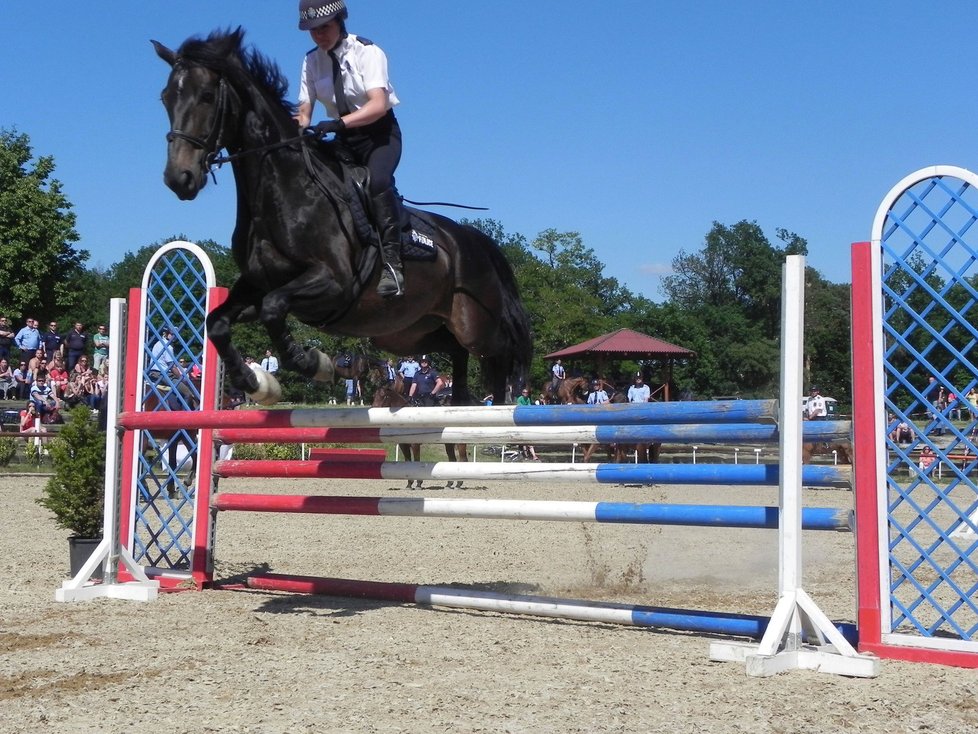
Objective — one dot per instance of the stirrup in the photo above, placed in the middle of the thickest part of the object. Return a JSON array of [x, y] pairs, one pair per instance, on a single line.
[[389, 276]]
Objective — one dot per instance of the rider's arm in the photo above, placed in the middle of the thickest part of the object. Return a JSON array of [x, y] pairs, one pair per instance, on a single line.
[[303, 115], [373, 110]]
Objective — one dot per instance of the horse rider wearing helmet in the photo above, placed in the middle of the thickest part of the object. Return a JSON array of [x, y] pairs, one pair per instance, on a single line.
[[348, 75]]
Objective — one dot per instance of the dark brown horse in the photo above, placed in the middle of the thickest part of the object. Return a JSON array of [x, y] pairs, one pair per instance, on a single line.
[[299, 241]]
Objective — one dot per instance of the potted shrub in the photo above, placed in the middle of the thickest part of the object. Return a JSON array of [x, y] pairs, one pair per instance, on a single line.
[[75, 494]]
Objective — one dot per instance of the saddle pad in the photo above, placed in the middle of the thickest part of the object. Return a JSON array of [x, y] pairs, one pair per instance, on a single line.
[[418, 243]]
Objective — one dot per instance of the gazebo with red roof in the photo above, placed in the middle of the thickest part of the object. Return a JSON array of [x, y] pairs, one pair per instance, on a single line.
[[626, 344]]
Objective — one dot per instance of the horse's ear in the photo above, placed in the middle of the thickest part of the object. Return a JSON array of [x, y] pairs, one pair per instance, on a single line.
[[164, 53]]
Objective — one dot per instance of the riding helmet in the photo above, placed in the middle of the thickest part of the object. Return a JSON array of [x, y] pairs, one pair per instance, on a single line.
[[314, 13]]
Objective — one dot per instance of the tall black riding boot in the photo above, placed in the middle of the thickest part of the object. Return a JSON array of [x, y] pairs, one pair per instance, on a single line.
[[387, 211]]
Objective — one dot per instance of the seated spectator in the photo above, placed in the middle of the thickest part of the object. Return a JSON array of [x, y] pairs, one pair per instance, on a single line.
[[42, 396], [7, 385], [58, 376], [901, 433], [29, 419], [22, 381], [34, 364], [80, 366], [76, 391], [927, 458]]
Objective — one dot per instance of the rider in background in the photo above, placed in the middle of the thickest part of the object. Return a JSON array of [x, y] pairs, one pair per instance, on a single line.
[[362, 116]]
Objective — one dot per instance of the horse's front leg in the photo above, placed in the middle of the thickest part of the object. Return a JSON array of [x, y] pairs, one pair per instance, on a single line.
[[275, 308], [219, 323]]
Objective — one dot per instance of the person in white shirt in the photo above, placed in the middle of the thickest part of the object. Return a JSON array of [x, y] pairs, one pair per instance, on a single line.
[[270, 362], [639, 392], [598, 395], [815, 408]]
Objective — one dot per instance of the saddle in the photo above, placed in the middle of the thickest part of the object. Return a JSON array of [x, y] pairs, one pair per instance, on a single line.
[[418, 231]]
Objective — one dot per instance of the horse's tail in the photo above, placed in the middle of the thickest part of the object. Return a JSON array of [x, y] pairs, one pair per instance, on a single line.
[[515, 323]]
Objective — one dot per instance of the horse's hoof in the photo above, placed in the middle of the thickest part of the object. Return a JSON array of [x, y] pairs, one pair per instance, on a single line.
[[324, 368], [269, 391]]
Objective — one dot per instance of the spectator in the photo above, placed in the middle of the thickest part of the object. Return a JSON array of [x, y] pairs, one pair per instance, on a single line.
[[58, 376], [408, 370], [352, 390], [51, 341], [81, 366], [162, 357], [426, 383], [43, 398], [390, 372], [28, 339], [270, 362], [75, 344], [100, 353], [29, 419], [22, 381], [7, 385], [938, 396], [526, 450], [972, 398], [927, 458], [639, 392], [34, 363], [901, 433], [6, 338], [597, 396], [815, 407]]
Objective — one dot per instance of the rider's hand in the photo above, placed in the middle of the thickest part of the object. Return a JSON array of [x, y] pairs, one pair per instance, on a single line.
[[324, 128]]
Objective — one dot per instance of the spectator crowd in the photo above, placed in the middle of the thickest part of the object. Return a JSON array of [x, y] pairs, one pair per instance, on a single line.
[[52, 369]]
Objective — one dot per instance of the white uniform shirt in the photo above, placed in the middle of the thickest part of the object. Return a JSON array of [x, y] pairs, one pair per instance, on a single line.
[[364, 68], [816, 407], [639, 394]]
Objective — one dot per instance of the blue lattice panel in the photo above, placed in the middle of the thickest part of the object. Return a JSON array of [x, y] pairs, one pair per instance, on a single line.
[[929, 245], [175, 292]]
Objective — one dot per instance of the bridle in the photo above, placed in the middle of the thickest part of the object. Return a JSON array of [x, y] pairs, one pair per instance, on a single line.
[[214, 141]]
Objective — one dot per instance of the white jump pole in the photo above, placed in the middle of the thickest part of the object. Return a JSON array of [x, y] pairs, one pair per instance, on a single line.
[[111, 550], [782, 647]]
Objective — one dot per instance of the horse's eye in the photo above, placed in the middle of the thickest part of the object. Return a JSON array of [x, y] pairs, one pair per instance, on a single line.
[[207, 97]]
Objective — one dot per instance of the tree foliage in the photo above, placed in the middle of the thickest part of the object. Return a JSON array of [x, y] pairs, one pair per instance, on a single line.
[[39, 268]]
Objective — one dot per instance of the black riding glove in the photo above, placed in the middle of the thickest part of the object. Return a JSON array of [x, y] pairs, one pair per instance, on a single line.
[[324, 128]]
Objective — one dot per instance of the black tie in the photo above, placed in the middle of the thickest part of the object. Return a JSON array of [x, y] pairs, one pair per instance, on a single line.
[[341, 104]]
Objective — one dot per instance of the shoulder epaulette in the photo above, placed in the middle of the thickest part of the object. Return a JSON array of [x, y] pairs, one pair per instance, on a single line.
[[365, 41], [314, 48]]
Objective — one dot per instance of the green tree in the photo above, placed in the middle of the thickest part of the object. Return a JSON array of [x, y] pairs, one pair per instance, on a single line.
[[39, 267]]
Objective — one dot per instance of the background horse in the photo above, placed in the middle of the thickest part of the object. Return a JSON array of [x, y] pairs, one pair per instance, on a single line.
[[296, 240], [572, 390], [391, 396]]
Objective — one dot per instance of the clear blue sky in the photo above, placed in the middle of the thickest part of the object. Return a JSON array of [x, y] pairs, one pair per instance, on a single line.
[[634, 123]]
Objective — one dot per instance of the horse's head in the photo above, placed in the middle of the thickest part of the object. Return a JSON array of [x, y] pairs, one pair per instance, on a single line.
[[212, 82], [196, 100]]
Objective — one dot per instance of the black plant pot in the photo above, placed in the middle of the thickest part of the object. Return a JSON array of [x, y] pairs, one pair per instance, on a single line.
[[79, 551]]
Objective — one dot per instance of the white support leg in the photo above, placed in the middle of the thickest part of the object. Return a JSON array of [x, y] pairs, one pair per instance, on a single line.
[[111, 551], [799, 636]]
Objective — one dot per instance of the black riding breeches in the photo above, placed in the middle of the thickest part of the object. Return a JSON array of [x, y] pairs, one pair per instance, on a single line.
[[378, 147]]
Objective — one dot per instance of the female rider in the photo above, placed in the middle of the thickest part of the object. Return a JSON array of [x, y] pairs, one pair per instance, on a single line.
[[362, 116]]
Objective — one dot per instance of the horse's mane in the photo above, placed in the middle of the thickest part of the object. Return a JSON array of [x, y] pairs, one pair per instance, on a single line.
[[223, 51]]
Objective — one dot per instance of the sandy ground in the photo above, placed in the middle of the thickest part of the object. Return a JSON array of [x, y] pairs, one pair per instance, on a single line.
[[243, 661]]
